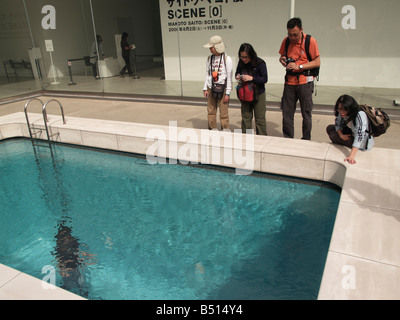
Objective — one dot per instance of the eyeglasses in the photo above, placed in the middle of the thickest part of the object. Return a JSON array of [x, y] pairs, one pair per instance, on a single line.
[[244, 57]]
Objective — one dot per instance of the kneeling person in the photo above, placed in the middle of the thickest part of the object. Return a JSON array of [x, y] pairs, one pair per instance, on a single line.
[[357, 136]]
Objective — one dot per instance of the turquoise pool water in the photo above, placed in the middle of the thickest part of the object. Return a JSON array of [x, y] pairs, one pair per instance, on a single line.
[[115, 227]]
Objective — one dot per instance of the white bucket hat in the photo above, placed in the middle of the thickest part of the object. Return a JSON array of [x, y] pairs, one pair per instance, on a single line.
[[217, 43]]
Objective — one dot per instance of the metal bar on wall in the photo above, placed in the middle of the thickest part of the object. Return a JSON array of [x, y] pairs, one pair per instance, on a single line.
[[29, 24], [292, 8]]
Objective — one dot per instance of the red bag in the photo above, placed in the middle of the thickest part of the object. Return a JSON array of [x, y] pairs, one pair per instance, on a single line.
[[247, 92]]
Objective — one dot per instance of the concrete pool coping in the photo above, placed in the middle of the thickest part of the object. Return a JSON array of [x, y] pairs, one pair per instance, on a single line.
[[363, 261]]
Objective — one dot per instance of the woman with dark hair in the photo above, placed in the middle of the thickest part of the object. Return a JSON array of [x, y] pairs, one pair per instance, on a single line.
[[126, 52], [357, 136], [252, 72]]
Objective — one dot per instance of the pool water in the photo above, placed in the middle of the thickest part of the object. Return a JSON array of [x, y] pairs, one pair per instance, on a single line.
[[115, 227]]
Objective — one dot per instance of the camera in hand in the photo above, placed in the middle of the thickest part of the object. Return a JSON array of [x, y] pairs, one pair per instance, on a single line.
[[288, 60], [240, 80], [289, 72]]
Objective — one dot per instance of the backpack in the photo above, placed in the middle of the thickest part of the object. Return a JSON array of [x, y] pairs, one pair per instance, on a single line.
[[379, 121], [312, 72], [247, 92]]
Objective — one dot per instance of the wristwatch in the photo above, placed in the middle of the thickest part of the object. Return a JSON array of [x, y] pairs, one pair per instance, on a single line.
[[301, 67]]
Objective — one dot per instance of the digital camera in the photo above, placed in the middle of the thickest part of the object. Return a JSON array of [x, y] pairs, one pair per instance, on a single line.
[[288, 60]]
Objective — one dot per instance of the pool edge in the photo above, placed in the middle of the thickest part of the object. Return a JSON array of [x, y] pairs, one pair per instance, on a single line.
[[352, 270]]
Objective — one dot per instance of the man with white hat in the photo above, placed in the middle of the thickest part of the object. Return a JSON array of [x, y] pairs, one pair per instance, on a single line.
[[218, 83]]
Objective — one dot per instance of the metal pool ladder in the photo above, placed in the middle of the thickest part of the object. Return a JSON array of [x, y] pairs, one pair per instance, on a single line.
[[34, 131]]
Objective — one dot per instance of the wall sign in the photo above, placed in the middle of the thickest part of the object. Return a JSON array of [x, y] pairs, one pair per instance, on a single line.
[[198, 15]]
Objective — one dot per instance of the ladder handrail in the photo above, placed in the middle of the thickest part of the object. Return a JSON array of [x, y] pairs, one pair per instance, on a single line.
[[45, 115], [26, 113], [44, 112], [59, 104]]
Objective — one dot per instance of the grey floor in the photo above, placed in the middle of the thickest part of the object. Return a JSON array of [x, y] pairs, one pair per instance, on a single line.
[[150, 83], [150, 99]]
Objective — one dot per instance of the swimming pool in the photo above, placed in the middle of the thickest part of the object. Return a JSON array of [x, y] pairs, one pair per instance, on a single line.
[[115, 227]]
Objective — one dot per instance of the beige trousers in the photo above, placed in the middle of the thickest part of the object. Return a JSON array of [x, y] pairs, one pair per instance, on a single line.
[[212, 106]]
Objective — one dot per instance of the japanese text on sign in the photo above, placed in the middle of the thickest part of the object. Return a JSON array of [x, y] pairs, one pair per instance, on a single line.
[[195, 17], [196, 2]]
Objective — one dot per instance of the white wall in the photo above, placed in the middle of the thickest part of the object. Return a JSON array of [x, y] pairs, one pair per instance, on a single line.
[[245, 21], [366, 56]]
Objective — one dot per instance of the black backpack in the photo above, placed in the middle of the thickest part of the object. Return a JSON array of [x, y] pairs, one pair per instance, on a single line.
[[312, 72]]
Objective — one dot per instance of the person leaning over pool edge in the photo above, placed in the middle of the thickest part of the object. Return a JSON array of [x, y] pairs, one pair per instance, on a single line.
[[218, 76], [298, 84], [357, 138]]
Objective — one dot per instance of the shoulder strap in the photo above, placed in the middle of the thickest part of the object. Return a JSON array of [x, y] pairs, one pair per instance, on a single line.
[[287, 46], [315, 71], [210, 58], [307, 45]]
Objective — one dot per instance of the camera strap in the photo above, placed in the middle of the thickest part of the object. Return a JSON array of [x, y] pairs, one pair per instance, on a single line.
[[212, 65]]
